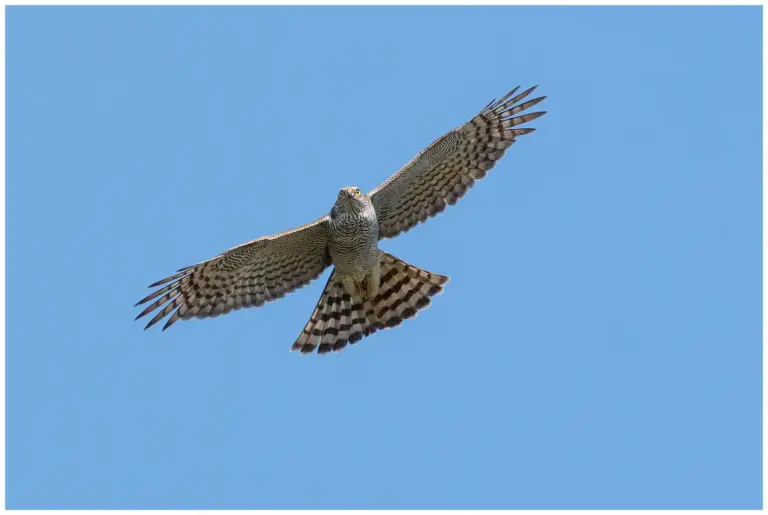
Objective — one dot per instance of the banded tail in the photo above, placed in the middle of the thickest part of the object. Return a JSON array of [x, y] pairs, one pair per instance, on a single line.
[[339, 318]]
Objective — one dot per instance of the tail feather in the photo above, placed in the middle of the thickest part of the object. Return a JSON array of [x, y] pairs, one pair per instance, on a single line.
[[340, 319]]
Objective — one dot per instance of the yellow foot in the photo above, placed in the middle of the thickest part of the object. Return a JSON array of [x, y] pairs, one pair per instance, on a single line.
[[361, 289]]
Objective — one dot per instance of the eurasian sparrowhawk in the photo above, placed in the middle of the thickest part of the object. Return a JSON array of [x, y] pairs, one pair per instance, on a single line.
[[368, 289]]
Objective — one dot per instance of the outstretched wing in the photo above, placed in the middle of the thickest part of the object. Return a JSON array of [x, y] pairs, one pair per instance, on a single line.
[[245, 276], [446, 169]]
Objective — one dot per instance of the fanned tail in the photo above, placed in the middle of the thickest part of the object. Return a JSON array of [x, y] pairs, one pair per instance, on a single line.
[[339, 318]]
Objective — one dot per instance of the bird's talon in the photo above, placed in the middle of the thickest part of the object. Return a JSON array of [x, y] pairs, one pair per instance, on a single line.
[[361, 290]]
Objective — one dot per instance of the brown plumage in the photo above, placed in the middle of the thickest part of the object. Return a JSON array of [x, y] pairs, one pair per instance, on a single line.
[[368, 289], [341, 318]]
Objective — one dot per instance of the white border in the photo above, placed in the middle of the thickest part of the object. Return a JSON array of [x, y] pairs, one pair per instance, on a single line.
[[351, 2], [397, 2]]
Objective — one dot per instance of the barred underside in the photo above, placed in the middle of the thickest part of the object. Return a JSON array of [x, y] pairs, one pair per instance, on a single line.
[[339, 318]]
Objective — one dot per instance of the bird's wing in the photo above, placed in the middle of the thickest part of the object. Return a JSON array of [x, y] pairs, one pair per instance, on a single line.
[[446, 169], [245, 276]]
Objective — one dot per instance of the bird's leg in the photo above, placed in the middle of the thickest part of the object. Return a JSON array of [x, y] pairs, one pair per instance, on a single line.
[[373, 282], [361, 289], [350, 285]]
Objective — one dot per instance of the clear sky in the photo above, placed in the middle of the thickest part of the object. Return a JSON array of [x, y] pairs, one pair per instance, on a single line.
[[598, 346]]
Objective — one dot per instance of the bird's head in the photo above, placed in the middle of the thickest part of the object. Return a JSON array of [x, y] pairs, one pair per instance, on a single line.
[[351, 200]]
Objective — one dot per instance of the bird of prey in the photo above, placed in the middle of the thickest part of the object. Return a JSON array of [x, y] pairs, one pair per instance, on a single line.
[[368, 289]]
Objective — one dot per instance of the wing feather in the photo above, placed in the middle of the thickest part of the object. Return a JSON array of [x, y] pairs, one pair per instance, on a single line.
[[444, 171], [248, 275]]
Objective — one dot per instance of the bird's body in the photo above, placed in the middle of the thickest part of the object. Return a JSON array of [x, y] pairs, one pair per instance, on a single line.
[[368, 289], [353, 237]]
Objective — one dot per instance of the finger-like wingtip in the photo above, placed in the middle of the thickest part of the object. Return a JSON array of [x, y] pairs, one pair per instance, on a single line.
[[509, 94], [528, 91], [172, 320]]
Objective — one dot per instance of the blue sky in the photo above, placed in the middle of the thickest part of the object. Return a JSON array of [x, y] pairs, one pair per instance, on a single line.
[[598, 346]]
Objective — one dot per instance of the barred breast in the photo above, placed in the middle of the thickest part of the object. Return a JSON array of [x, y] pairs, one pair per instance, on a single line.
[[354, 242]]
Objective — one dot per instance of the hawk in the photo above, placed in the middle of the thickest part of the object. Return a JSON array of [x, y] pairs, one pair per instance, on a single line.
[[368, 289]]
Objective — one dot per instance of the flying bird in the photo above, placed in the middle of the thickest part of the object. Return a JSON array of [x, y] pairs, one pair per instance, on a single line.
[[369, 289]]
